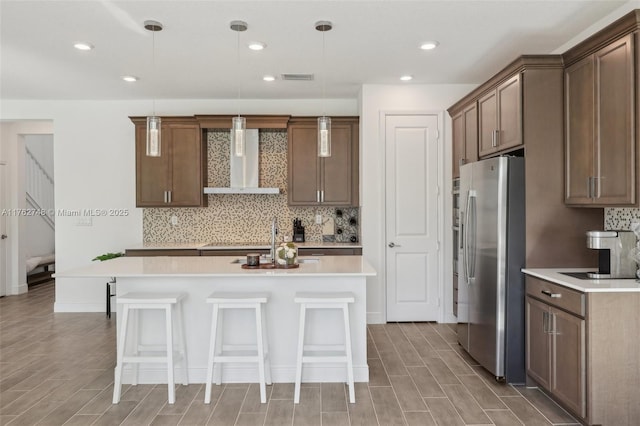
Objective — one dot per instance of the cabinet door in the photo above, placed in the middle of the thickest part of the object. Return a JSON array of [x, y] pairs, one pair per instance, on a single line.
[[471, 133], [303, 165], [152, 173], [186, 171], [538, 352], [614, 144], [487, 123], [509, 114], [580, 121], [568, 360], [336, 172], [457, 147]]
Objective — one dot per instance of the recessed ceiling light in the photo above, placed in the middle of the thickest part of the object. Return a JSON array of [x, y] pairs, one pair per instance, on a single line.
[[81, 45], [130, 78], [256, 45], [268, 78], [429, 45], [406, 78]]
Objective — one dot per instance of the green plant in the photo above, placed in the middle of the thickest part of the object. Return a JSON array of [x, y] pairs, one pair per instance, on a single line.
[[107, 256]]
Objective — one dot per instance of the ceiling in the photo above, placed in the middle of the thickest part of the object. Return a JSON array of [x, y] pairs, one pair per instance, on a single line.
[[196, 55]]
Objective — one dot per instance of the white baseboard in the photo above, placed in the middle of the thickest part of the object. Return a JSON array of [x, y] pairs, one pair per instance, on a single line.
[[375, 318], [317, 373], [19, 289], [79, 307]]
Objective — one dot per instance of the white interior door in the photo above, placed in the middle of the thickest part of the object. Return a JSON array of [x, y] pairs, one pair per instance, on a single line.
[[412, 217], [3, 231]]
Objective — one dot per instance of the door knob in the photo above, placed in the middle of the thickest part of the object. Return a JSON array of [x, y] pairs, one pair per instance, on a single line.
[[392, 245], [4, 237]]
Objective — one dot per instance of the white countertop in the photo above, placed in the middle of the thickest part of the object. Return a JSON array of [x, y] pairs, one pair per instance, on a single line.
[[587, 286], [215, 266], [234, 246]]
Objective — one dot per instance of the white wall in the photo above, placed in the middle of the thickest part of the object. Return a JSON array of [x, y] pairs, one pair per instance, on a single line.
[[375, 99], [94, 156], [598, 25]]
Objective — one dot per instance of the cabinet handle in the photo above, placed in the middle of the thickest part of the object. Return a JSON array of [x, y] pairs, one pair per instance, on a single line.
[[165, 197], [322, 196], [596, 186], [317, 196], [552, 295], [497, 137], [545, 322], [317, 254], [493, 138], [169, 196], [589, 187]]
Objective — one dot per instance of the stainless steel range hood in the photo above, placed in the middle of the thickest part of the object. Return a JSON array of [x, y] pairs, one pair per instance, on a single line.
[[245, 171]]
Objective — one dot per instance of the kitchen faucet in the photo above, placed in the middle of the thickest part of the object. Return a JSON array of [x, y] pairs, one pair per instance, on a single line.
[[274, 231]]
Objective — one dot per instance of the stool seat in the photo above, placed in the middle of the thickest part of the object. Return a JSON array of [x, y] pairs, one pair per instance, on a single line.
[[229, 297], [324, 353], [319, 297], [133, 303], [220, 353], [147, 298]]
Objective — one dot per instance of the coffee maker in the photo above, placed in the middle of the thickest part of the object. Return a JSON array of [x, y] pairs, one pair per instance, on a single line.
[[613, 256]]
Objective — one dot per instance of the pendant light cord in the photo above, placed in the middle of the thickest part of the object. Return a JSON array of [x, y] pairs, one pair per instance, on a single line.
[[324, 77], [238, 73], [153, 67]]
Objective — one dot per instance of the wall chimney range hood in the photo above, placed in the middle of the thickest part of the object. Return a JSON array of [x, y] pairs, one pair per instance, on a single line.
[[244, 171]]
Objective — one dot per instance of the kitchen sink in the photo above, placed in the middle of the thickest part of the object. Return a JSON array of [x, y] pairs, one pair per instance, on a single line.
[[579, 275], [264, 261], [243, 260]]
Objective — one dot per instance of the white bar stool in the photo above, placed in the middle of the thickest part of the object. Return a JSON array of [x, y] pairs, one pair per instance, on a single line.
[[220, 353], [135, 302], [338, 300]]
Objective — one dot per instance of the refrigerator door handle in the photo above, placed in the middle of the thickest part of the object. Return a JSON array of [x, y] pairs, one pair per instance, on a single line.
[[471, 231], [464, 243]]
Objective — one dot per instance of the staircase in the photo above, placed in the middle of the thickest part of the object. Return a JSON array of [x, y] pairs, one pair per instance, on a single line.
[[39, 188]]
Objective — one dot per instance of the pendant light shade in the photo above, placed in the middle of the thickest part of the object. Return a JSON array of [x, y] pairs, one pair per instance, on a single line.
[[238, 127], [238, 124], [324, 136], [154, 136], [324, 122], [154, 124]]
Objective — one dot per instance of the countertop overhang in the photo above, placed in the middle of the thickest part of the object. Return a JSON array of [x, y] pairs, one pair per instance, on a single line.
[[555, 275], [215, 266]]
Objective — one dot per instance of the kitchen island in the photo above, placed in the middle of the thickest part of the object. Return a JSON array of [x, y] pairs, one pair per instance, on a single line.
[[199, 276]]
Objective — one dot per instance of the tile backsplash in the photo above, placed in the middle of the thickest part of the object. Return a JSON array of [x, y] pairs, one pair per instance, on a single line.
[[619, 219], [246, 217]]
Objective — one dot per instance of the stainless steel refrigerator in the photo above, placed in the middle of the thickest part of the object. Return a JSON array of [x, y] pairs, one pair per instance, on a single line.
[[492, 253]]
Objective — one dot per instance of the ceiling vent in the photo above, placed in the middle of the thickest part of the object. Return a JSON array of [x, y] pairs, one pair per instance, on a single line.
[[297, 77]]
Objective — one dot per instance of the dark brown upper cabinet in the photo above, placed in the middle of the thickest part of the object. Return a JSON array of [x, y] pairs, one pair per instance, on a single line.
[[600, 96], [500, 118], [330, 181], [178, 176], [465, 138]]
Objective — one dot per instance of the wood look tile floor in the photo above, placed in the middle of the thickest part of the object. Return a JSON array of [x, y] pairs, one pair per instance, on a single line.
[[57, 369]]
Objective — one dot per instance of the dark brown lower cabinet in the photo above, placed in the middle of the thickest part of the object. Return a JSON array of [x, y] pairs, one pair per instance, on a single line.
[[556, 347], [582, 349]]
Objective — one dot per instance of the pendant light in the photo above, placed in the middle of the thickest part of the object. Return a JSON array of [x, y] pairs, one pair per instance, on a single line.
[[324, 122], [154, 123], [238, 124]]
